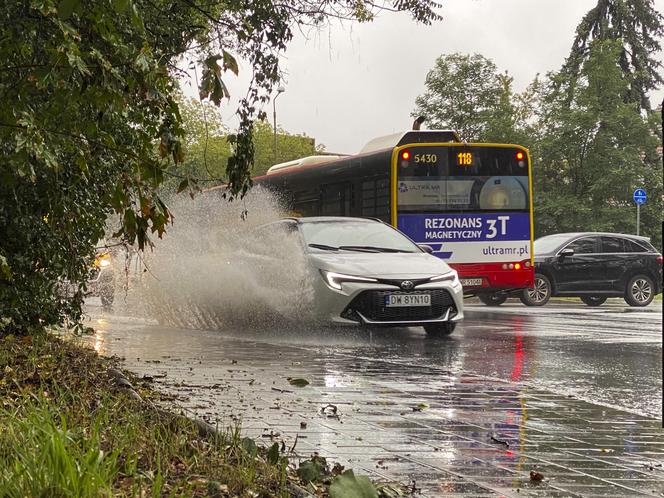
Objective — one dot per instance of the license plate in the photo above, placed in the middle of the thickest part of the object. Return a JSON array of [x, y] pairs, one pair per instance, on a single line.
[[471, 282], [402, 300]]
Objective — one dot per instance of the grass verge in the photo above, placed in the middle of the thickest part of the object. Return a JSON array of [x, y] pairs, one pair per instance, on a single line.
[[66, 431]]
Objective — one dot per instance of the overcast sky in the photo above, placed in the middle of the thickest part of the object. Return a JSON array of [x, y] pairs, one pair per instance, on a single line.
[[352, 82]]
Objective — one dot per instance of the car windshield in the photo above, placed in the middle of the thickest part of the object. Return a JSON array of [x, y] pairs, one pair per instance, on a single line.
[[547, 244], [361, 236]]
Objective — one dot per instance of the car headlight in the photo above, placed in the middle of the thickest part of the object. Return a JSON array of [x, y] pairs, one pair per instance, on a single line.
[[103, 261], [452, 277], [335, 280]]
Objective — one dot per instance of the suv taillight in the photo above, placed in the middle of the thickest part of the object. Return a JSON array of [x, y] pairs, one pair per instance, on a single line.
[[659, 259]]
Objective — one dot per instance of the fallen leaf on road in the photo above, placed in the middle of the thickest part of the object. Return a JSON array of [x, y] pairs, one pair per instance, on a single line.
[[420, 407], [536, 476], [330, 411], [500, 441], [297, 382]]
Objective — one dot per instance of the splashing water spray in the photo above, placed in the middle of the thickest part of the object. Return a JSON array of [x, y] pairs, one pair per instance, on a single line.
[[216, 267]]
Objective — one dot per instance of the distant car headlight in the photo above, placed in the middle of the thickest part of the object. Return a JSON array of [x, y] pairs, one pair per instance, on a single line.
[[103, 261], [335, 280], [452, 276]]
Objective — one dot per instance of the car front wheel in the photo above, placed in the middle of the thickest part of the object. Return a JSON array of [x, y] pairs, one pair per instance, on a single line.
[[439, 329], [593, 300], [492, 299], [640, 291], [540, 294]]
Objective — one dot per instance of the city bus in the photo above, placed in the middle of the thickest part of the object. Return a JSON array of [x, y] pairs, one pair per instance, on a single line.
[[468, 203]]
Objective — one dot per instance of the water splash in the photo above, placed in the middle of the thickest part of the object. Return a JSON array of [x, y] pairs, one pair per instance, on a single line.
[[214, 269]]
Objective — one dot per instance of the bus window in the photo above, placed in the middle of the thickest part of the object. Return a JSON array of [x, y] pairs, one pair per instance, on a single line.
[[305, 203], [375, 197], [441, 179], [336, 199]]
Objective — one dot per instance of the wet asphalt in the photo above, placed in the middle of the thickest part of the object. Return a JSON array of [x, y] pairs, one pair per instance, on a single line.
[[571, 392]]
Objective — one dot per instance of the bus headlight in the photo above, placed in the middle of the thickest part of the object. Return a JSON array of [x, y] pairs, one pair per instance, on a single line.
[[334, 280]]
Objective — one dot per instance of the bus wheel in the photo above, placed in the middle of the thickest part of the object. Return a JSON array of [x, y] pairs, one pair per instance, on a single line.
[[439, 329], [492, 299], [540, 294], [593, 300]]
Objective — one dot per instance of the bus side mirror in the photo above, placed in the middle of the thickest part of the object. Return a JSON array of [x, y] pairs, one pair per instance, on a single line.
[[426, 248]]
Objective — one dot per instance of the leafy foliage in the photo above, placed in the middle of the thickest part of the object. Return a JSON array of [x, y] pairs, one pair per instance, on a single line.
[[90, 124], [638, 27], [462, 93], [289, 147], [595, 153], [467, 94], [592, 136], [207, 147], [597, 138]]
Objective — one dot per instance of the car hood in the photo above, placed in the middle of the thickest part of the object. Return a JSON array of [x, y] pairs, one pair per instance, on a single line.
[[387, 265]]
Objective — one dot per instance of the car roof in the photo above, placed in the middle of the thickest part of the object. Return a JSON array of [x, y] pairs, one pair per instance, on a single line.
[[333, 219], [571, 235]]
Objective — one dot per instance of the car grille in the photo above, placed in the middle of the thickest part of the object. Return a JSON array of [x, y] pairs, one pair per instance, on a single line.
[[371, 304]]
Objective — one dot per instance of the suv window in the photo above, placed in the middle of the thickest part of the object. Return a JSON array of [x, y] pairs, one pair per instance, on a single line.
[[585, 245], [612, 244], [633, 246]]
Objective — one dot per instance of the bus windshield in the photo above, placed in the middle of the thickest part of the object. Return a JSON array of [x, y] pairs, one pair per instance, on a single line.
[[462, 179]]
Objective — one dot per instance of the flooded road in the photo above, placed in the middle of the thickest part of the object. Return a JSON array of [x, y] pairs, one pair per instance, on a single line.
[[566, 390]]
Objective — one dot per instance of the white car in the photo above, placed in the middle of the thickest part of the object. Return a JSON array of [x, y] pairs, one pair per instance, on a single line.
[[363, 271]]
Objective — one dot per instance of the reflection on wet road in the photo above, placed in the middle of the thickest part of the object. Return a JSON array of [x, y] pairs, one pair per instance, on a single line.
[[568, 391]]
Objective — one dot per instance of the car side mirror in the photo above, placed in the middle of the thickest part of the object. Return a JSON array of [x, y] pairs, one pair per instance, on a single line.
[[426, 248], [566, 252]]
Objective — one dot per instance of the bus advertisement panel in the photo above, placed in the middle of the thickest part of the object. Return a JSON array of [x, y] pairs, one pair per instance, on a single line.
[[471, 204]]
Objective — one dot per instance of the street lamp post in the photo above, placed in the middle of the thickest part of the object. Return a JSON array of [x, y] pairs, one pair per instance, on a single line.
[[280, 90]]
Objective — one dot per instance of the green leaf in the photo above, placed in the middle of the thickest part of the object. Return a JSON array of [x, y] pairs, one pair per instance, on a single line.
[[310, 471], [249, 446], [77, 63], [298, 382], [120, 6], [347, 485], [67, 7], [183, 185], [136, 19], [230, 63], [273, 454], [4, 268]]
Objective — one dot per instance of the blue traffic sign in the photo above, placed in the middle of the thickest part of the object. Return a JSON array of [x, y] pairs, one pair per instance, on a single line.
[[640, 196]]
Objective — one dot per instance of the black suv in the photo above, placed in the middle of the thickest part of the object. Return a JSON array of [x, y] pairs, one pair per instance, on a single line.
[[595, 266]]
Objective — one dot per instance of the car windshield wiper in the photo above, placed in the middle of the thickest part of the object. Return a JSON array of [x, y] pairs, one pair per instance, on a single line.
[[324, 247], [371, 249]]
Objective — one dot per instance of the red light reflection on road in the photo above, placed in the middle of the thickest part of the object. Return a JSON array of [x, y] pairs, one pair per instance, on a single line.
[[517, 368]]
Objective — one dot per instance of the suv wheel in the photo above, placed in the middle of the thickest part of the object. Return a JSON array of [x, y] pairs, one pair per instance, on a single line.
[[640, 291], [540, 294], [493, 299], [593, 300], [439, 329]]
